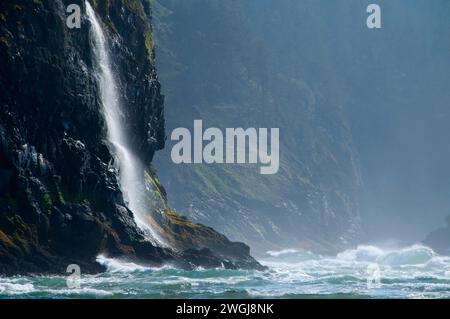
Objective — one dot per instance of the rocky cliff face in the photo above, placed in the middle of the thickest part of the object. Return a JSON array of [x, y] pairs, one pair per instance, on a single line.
[[60, 202], [260, 64]]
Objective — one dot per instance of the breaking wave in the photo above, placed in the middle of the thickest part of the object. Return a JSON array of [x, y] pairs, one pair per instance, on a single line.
[[115, 265], [413, 255], [409, 272]]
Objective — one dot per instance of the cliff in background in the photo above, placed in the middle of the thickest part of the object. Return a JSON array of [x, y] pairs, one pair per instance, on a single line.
[[60, 202], [260, 64], [439, 239], [353, 104]]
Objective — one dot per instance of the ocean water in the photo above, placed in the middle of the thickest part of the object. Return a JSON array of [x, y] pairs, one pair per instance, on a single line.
[[365, 272]]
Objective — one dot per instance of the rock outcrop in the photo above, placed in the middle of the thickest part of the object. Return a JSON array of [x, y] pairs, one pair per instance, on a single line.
[[60, 201]]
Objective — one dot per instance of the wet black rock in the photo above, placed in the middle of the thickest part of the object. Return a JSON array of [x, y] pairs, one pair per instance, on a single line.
[[60, 202]]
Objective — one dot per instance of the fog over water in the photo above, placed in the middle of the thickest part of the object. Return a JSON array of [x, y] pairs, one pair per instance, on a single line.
[[399, 112], [391, 83], [362, 179], [395, 82]]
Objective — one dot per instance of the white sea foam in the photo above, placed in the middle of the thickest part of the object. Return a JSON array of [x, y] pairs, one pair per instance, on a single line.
[[281, 252], [116, 265], [409, 272], [412, 255], [12, 287]]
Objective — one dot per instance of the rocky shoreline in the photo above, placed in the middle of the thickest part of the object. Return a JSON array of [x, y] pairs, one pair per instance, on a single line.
[[60, 200]]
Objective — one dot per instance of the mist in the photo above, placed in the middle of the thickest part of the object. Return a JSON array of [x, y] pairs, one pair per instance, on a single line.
[[395, 82], [380, 95], [224, 149], [399, 115]]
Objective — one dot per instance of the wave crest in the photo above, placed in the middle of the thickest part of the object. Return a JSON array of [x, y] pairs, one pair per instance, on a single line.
[[412, 255], [116, 265]]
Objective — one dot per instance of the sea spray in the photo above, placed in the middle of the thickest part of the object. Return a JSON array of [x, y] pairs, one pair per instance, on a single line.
[[130, 168], [311, 275]]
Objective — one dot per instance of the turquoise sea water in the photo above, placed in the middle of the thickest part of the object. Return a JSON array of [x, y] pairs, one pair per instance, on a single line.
[[410, 272]]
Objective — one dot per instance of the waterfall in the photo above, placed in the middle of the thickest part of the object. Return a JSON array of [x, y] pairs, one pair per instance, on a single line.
[[129, 167]]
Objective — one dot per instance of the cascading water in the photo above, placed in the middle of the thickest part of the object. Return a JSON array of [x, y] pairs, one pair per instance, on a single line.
[[129, 166]]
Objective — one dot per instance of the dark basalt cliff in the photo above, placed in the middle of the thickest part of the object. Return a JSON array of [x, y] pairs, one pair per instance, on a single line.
[[60, 202]]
